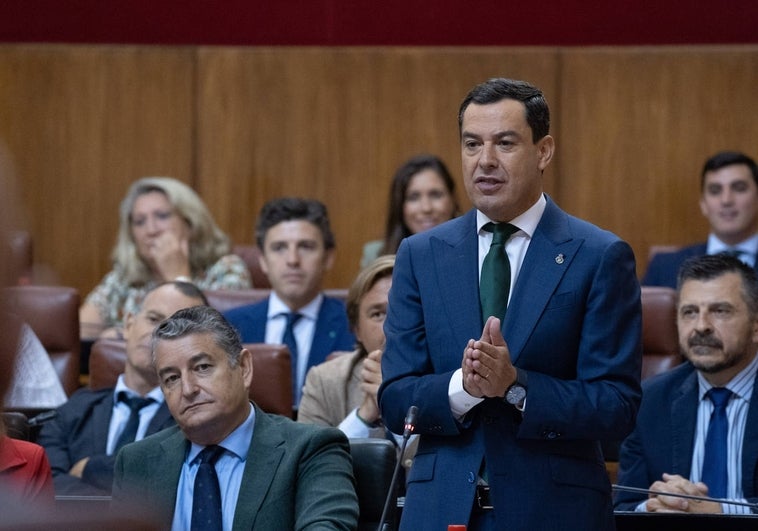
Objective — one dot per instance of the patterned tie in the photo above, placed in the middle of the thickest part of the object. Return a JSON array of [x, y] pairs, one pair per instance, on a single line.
[[714, 461], [495, 281], [135, 403], [206, 494], [289, 339]]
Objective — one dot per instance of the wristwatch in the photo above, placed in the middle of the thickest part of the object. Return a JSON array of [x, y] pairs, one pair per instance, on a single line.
[[516, 393]]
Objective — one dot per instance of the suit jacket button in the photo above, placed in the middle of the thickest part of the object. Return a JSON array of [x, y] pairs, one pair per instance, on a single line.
[[471, 477]]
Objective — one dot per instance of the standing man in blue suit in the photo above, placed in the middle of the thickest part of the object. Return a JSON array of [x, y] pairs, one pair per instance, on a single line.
[[297, 249], [717, 318], [729, 200], [512, 406]]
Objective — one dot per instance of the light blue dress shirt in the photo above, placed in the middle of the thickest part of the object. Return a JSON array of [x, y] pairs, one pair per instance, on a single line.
[[229, 468]]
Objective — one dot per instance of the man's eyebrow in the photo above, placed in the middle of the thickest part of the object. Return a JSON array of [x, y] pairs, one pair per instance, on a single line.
[[202, 356]]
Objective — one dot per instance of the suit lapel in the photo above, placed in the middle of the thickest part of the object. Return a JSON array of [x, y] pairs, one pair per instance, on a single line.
[[684, 406], [549, 256], [101, 421], [458, 275], [324, 334], [263, 459], [166, 469]]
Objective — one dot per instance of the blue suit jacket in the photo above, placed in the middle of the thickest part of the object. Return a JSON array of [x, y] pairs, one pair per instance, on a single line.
[[296, 476], [664, 267], [79, 430], [573, 324], [665, 435], [332, 329]]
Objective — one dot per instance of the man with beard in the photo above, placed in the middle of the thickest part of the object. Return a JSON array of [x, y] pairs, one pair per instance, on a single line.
[[697, 429]]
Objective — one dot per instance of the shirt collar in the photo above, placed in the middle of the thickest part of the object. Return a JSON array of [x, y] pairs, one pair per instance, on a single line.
[[715, 245], [238, 442], [155, 393], [526, 222], [741, 385], [277, 307]]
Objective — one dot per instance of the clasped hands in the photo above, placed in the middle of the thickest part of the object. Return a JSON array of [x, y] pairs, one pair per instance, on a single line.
[[676, 484], [371, 379], [487, 367]]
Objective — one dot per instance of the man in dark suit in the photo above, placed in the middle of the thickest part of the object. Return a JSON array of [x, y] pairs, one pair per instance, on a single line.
[[82, 440], [268, 472], [297, 249], [717, 317], [729, 200], [511, 422]]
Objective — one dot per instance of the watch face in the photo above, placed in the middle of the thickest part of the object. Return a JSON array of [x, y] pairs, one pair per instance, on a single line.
[[516, 394]]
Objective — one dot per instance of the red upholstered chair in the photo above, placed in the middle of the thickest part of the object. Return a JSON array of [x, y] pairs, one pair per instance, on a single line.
[[250, 254], [53, 313], [660, 342], [272, 375]]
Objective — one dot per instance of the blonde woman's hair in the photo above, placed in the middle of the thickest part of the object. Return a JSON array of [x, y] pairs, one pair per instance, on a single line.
[[207, 242]]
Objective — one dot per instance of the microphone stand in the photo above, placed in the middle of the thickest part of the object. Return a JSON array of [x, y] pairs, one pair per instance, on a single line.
[[637, 490], [410, 425]]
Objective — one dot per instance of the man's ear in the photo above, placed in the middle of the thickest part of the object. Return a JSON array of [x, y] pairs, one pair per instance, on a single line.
[[328, 259], [545, 148], [129, 323], [246, 365]]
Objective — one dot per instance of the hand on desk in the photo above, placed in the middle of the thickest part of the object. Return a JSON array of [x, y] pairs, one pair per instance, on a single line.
[[678, 485]]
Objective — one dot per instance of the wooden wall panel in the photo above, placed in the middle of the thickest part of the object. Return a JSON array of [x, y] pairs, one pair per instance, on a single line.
[[243, 125], [636, 127], [333, 124], [82, 123]]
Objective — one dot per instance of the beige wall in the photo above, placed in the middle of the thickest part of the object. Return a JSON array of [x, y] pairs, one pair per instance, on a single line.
[[243, 125]]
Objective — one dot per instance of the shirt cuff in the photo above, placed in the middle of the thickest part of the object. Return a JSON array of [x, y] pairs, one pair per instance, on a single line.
[[460, 401], [354, 427]]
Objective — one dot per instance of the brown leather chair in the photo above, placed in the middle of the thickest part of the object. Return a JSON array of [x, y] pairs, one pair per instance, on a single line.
[[250, 254], [53, 313], [272, 374], [660, 341]]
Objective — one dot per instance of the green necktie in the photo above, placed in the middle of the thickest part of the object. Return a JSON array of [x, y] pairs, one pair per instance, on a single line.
[[495, 282]]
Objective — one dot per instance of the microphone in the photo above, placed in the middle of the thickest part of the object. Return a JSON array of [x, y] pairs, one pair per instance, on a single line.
[[42, 418], [408, 428], [638, 490]]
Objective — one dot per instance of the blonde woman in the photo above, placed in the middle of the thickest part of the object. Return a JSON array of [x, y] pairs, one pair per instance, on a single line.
[[166, 233]]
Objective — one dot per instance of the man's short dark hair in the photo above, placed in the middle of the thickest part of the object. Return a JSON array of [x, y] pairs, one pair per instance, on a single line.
[[709, 267], [723, 159], [294, 209], [499, 88]]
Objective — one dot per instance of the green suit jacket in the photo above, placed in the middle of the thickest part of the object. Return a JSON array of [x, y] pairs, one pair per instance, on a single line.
[[296, 477]]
